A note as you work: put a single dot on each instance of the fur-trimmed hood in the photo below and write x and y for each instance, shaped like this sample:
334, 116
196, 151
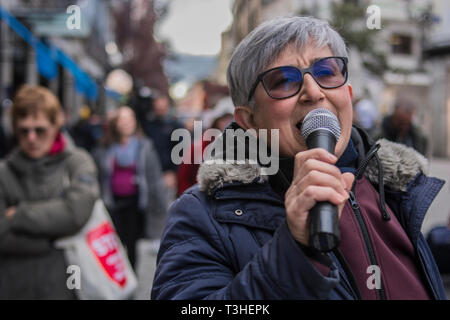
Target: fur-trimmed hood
400, 165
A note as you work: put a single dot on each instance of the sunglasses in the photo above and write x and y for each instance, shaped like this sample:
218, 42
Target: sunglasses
286, 81
40, 131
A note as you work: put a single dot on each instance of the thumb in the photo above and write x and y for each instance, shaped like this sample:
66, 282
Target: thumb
348, 179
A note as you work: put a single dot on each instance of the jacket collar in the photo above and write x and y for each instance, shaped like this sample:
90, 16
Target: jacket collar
400, 166
402, 169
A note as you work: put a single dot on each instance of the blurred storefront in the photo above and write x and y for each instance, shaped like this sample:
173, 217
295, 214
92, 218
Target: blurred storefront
58, 44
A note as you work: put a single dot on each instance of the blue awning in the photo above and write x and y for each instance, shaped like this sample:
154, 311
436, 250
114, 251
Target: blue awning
47, 59
83, 82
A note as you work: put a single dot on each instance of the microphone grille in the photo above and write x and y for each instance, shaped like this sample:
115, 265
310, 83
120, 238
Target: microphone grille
320, 119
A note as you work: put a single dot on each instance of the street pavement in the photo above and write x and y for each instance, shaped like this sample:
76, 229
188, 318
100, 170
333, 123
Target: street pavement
145, 270
438, 214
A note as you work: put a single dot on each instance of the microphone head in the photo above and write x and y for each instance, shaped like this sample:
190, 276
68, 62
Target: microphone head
320, 119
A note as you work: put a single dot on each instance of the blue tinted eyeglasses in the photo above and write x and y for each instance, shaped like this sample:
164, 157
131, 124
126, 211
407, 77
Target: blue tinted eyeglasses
286, 81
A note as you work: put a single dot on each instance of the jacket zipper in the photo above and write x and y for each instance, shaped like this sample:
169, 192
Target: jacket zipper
365, 234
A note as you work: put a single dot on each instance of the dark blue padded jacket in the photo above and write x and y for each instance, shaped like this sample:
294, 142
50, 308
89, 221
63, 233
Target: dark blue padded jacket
227, 237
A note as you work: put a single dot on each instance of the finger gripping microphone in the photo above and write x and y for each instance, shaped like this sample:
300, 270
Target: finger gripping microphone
321, 129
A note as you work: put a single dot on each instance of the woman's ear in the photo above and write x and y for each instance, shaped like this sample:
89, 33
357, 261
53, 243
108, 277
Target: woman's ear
244, 117
350, 91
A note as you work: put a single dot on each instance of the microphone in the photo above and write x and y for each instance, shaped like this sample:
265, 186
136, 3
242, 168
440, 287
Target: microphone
321, 129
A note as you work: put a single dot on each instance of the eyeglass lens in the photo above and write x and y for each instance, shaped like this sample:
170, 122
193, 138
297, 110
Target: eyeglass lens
286, 81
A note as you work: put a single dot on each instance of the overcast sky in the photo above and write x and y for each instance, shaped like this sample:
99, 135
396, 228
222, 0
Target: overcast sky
195, 26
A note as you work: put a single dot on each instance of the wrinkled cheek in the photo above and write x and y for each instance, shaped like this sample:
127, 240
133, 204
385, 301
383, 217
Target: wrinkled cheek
289, 143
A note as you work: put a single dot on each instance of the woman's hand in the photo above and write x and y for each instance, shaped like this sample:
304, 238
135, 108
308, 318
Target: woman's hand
316, 179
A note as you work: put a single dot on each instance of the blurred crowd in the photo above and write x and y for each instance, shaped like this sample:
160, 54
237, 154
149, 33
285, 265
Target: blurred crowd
398, 126
122, 158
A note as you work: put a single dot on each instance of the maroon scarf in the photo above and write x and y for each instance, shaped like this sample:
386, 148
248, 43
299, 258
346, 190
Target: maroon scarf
58, 145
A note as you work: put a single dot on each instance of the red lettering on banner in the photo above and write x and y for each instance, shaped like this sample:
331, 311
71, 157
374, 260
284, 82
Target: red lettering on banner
104, 244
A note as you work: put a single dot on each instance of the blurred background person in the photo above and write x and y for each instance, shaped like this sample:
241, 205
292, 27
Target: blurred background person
366, 115
88, 130
159, 128
131, 182
399, 127
48, 188
217, 118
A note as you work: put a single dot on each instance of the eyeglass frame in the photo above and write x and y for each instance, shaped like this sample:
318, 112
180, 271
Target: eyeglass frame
302, 73
40, 131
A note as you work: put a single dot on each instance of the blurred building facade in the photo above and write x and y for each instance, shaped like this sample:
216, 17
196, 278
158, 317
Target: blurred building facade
437, 54
414, 36
247, 14
142, 54
83, 47
112, 35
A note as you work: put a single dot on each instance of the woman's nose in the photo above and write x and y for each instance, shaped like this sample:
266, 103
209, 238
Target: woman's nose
31, 135
311, 92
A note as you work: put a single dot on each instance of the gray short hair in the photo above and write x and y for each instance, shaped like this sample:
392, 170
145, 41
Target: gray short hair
265, 43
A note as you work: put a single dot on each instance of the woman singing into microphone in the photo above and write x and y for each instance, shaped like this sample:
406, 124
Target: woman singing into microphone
242, 235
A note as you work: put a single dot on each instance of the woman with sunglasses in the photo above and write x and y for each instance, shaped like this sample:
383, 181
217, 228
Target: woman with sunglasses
242, 235
48, 188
